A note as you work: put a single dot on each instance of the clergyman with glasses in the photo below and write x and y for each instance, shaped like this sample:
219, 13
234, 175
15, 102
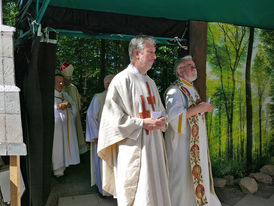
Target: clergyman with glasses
190, 177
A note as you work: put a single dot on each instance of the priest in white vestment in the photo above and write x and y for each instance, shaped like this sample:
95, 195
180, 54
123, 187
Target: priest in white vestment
94, 113
65, 150
72, 91
190, 178
130, 143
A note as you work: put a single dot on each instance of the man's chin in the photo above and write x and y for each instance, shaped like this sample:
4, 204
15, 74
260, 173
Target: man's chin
193, 78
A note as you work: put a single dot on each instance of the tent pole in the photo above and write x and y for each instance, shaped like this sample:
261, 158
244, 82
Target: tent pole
37, 8
42, 11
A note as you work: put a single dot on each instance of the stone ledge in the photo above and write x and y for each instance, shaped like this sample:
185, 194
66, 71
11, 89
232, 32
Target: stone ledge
9, 88
10, 149
4, 28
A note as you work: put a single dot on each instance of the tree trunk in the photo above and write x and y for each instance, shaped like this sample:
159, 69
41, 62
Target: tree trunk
260, 129
220, 130
249, 103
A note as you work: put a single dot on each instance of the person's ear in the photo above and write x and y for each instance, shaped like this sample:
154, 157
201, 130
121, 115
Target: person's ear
136, 53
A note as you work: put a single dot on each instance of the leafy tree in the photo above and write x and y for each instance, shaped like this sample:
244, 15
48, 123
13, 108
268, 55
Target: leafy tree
226, 51
9, 12
261, 72
267, 38
249, 101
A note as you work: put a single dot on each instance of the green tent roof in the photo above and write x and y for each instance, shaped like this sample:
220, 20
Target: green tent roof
165, 20
253, 13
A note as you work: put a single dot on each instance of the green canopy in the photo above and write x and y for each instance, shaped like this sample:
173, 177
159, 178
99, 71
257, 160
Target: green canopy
253, 13
160, 18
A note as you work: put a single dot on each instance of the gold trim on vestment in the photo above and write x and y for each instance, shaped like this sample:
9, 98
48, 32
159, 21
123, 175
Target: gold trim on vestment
180, 123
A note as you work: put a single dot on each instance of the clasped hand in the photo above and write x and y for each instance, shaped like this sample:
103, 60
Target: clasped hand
63, 105
205, 107
154, 124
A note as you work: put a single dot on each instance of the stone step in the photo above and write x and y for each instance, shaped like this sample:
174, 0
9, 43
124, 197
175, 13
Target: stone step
251, 200
84, 200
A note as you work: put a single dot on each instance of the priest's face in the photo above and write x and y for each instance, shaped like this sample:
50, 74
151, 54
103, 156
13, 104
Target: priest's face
59, 81
67, 81
146, 57
188, 71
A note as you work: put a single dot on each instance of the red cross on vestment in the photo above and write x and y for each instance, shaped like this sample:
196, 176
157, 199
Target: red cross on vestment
150, 98
145, 113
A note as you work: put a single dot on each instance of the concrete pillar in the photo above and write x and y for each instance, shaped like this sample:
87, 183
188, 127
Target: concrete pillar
11, 137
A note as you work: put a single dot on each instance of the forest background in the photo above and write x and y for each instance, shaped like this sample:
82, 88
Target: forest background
228, 83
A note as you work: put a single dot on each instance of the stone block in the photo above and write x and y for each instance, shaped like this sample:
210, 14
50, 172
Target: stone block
16, 149
2, 101
248, 185
12, 103
219, 182
2, 128
14, 128
261, 177
229, 180
268, 169
1, 71
8, 71
7, 44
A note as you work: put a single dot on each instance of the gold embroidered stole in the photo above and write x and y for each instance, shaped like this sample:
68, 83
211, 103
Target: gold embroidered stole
194, 147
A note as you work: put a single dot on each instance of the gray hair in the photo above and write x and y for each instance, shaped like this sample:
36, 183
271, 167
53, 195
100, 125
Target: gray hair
180, 61
109, 76
137, 43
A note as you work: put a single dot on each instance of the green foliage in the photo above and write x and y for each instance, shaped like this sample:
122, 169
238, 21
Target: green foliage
162, 71
85, 56
225, 58
226, 52
267, 38
10, 11
222, 167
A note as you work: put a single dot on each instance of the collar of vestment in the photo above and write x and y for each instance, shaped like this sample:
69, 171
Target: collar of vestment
186, 82
57, 94
133, 69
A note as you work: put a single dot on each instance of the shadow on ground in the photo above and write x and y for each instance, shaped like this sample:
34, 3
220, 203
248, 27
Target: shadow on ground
75, 182
75, 186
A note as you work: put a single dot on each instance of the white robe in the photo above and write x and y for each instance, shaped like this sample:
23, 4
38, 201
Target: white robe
92, 132
134, 163
72, 91
177, 146
65, 150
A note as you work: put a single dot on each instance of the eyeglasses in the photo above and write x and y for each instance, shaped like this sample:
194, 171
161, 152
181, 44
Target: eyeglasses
188, 66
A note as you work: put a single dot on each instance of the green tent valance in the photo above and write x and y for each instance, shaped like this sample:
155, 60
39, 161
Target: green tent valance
121, 19
246, 12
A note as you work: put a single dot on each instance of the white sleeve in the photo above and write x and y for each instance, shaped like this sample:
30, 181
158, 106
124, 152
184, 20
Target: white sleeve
176, 107
72, 103
92, 119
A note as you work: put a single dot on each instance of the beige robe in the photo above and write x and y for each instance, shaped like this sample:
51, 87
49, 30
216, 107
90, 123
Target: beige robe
177, 140
134, 162
76, 97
